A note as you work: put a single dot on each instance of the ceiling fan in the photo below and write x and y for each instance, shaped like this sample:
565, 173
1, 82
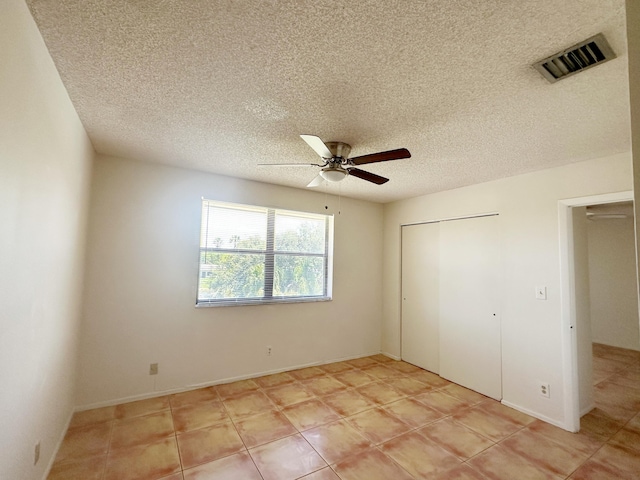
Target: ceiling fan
337, 164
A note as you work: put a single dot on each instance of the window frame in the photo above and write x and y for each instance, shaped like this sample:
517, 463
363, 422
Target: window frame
270, 253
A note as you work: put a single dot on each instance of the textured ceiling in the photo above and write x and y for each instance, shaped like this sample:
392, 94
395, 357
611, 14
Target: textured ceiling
221, 86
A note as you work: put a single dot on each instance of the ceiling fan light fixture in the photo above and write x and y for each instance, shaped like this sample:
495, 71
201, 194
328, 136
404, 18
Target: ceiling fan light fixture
333, 174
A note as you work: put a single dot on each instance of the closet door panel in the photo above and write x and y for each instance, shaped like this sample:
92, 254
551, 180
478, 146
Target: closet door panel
469, 317
420, 295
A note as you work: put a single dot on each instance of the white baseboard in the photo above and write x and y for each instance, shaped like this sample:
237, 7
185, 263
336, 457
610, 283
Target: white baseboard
57, 447
186, 388
395, 357
536, 415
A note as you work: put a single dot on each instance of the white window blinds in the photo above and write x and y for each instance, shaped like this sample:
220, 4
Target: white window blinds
251, 254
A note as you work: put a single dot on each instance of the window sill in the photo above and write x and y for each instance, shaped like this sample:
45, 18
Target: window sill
272, 301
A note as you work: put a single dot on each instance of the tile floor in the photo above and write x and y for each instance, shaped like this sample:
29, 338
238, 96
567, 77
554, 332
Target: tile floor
369, 418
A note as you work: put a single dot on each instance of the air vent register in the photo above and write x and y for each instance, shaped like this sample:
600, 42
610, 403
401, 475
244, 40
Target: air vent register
584, 55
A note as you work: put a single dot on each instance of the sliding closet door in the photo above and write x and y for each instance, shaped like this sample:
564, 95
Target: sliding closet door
420, 264
470, 346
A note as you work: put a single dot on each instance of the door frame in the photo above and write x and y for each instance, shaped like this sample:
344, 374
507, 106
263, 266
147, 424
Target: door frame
568, 300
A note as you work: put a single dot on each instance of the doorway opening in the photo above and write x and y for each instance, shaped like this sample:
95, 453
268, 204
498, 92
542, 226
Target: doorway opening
579, 220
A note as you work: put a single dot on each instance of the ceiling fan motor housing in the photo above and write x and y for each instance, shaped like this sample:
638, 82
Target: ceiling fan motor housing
339, 149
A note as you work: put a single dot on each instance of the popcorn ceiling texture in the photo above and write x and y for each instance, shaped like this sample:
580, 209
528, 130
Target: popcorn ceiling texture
221, 86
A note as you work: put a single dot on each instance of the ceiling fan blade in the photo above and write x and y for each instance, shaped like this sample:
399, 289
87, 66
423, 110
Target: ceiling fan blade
318, 145
381, 156
316, 182
290, 165
368, 176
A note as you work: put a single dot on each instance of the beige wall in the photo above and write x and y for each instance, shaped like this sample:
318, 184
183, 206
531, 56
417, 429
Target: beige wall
141, 281
45, 158
613, 283
528, 206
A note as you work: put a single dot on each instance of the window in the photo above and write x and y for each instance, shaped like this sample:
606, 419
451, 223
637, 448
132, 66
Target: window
252, 254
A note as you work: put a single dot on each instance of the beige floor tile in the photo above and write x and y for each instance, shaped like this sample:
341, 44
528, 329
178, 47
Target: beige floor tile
381, 358
431, 379
89, 441
555, 458
198, 415
619, 402
615, 353
236, 388
370, 465
442, 402
625, 460
461, 441
286, 459
403, 367
376, 412
90, 417
324, 385
592, 470
264, 428
634, 424
598, 425
141, 430
337, 441
608, 365
628, 378
412, 412
354, 378
238, 466
208, 444
174, 476
155, 460
419, 456
489, 425
337, 367
275, 380
464, 394
501, 464
599, 376
182, 399
378, 425
142, 407
576, 441
89, 468
324, 474
348, 402
462, 472
508, 413
362, 362
307, 373
310, 414
380, 393
381, 372
408, 385
289, 394
627, 438
247, 404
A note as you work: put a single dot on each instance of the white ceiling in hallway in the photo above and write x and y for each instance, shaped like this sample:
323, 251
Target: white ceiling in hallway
222, 86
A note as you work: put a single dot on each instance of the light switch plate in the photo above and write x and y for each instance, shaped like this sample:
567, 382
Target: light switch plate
541, 293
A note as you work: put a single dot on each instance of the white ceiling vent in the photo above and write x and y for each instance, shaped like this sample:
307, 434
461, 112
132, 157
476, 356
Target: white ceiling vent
584, 55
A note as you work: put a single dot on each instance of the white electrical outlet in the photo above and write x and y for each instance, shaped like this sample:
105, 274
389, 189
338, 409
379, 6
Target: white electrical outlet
545, 391
153, 369
268, 351
36, 453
